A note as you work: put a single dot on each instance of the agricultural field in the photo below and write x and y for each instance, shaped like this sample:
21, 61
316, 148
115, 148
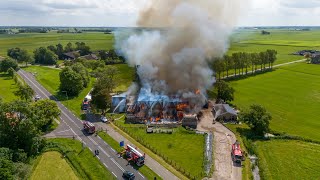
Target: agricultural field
7, 88
172, 147
31, 41
283, 159
292, 95
53, 166
284, 41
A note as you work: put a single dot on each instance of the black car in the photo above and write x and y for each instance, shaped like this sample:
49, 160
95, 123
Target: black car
128, 175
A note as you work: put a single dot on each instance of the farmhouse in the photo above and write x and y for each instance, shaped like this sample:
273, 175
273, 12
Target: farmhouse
223, 112
90, 57
70, 55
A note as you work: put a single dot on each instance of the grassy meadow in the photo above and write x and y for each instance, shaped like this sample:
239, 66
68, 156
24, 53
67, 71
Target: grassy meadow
284, 41
292, 95
282, 159
183, 148
31, 41
53, 166
7, 88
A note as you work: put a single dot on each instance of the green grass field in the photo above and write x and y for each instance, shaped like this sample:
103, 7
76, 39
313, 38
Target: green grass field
284, 41
182, 147
31, 41
281, 159
7, 87
124, 78
53, 166
291, 94
83, 162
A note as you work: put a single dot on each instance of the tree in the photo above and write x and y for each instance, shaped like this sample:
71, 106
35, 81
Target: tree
224, 91
272, 57
257, 118
71, 82
44, 56
80, 69
52, 48
103, 55
47, 111
59, 51
11, 72
101, 98
236, 59
14, 53
229, 63
8, 63
84, 50
68, 47
24, 56
24, 92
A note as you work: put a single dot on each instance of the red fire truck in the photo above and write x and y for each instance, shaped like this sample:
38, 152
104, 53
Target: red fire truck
89, 127
134, 155
236, 153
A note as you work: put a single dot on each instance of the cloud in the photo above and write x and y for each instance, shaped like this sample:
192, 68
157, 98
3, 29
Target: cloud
125, 12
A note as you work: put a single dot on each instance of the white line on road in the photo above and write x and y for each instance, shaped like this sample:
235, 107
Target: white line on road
115, 175
98, 157
63, 131
90, 149
104, 151
141, 175
105, 165
95, 143
117, 164
113, 150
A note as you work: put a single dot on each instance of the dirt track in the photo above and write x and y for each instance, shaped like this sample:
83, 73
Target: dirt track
224, 169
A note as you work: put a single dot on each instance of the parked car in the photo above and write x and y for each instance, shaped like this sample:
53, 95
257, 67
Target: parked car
128, 175
104, 119
37, 98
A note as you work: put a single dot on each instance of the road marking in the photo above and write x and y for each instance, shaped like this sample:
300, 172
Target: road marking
117, 164
113, 150
104, 151
99, 137
115, 175
90, 148
98, 157
141, 175
63, 131
95, 143
105, 165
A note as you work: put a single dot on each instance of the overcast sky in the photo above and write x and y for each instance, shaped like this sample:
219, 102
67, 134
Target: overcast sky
124, 12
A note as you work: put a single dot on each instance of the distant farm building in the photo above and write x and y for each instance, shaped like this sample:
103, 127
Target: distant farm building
70, 55
263, 32
223, 112
90, 57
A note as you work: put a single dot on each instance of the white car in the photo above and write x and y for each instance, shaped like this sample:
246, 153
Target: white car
104, 119
37, 97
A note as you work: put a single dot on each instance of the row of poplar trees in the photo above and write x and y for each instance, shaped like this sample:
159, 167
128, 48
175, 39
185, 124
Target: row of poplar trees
241, 63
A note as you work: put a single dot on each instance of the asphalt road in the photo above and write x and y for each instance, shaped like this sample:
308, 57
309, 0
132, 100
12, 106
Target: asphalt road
69, 122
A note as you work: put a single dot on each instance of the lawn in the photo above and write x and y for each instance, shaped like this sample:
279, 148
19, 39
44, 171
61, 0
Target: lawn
53, 166
31, 41
291, 94
7, 87
281, 159
145, 170
124, 78
183, 148
82, 161
49, 79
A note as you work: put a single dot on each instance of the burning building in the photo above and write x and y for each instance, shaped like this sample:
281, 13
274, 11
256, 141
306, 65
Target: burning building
174, 55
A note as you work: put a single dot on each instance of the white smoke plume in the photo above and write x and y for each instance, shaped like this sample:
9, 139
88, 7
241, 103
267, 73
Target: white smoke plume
186, 35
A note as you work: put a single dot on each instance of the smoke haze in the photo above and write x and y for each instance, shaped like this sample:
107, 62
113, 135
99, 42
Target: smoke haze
186, 35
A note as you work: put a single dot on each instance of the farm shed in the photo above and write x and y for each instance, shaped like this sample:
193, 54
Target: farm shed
223, 112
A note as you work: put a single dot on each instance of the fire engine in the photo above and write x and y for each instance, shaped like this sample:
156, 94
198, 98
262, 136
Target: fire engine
236, 153
89, 127
134, 155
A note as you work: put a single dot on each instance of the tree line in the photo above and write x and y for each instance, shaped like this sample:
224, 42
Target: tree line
241, 62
